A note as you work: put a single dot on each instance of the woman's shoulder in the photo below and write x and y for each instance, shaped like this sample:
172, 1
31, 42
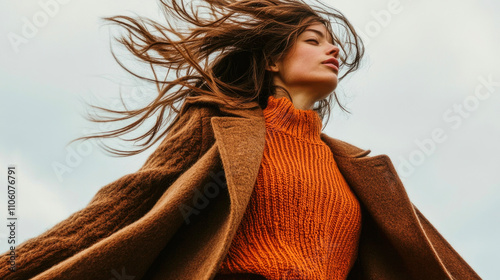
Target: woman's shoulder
205, 111
209, 106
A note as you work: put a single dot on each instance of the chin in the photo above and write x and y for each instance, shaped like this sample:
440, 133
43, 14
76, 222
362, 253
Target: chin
324, 96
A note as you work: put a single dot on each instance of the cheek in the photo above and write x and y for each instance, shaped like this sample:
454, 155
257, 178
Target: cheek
300, 64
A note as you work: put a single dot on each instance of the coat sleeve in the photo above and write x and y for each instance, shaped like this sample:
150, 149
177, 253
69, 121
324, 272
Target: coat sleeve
115, 205
452, 260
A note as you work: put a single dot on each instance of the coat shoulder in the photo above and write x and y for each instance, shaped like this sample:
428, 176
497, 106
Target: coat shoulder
183, 143
343, 148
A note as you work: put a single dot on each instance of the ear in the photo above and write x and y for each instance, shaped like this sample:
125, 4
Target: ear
272, 66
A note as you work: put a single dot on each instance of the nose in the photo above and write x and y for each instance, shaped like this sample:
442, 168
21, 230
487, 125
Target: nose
335, 51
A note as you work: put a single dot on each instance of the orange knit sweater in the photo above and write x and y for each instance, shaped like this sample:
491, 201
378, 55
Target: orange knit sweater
302, 221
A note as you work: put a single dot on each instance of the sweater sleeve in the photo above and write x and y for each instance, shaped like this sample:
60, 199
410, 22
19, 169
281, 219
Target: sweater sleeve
115, 205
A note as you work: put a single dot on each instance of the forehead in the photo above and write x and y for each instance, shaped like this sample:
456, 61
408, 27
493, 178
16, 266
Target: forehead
318, 29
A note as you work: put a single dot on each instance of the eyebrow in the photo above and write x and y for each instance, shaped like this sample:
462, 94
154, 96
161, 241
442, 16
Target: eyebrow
317, 32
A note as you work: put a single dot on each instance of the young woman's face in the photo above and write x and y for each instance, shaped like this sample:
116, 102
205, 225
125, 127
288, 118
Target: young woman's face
303, 69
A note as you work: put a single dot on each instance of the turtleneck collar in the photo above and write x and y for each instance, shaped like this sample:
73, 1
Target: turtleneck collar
282, 115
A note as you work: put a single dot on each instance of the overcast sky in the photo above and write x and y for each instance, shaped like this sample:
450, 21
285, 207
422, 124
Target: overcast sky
428, 96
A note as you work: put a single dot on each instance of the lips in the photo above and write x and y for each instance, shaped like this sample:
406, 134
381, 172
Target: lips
332, 61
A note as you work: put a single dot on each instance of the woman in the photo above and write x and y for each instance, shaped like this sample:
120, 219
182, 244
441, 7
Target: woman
245, 185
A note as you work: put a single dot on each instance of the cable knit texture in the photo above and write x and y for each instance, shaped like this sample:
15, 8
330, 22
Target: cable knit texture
302, 221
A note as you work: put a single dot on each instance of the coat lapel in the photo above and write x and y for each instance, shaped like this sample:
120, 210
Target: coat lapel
392, 237
391, 232
241, 145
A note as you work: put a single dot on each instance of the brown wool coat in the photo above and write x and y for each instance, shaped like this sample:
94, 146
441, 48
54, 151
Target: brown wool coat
176, 216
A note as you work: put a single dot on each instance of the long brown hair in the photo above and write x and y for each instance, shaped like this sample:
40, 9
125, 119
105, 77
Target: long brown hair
222, 56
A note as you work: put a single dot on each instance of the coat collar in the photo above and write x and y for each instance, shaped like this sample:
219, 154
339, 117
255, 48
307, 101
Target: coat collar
255, 113
240, 138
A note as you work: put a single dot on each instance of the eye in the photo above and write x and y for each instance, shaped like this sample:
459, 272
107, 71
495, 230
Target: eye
314, 40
